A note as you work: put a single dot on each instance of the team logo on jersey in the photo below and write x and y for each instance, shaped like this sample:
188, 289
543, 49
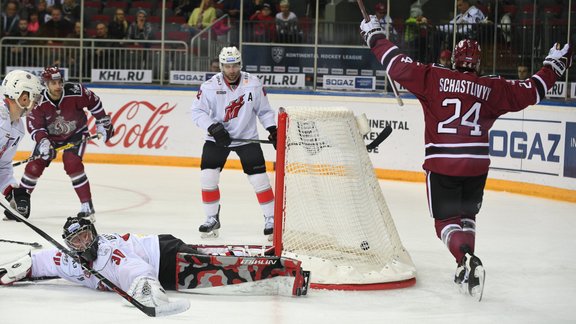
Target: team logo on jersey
277, 54
61, 126
233, 108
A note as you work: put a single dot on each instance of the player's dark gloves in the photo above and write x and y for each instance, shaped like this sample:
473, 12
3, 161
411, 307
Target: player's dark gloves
273, 137
220, 134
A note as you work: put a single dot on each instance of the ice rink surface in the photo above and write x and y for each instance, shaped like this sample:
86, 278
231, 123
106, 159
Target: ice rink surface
527, 246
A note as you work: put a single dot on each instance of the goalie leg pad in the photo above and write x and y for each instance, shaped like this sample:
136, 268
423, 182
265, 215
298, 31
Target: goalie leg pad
261, 275
15, 270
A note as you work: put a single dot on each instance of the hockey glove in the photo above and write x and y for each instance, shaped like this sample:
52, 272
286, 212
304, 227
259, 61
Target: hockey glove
559, 59
273, 137
220, 134
370, 29
105, 128
45, 149
16, 270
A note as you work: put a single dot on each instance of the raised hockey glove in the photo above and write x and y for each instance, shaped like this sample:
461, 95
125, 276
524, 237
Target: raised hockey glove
273, 137
45, 149
220, 134
559, 59
371, 30
105, 128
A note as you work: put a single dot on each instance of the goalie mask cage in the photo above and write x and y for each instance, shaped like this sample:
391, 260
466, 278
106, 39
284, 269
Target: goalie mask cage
330, 212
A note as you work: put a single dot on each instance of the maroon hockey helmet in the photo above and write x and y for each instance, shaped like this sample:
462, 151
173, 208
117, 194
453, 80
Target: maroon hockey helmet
51, 73
466, 55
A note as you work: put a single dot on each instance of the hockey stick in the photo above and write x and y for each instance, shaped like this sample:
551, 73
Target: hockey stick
249, 140
392, 84
162, 310
374, 144
35, 245
59, 148
380, 138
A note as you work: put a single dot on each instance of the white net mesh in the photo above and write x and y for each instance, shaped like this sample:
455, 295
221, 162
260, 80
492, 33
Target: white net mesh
336, 220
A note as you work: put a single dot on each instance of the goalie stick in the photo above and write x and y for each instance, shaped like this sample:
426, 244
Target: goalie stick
59, 148
35, 245
392, 84
162, 310
374, 144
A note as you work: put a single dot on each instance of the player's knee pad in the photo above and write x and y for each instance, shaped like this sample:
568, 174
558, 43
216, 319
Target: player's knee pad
209, 178
259, 181
72, 164
34, 169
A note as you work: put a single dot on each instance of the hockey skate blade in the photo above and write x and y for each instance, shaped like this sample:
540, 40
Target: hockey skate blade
212, 234
175, 306
478, 291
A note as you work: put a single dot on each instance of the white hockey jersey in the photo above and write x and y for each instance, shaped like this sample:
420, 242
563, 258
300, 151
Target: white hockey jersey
121, 259
10, 136
237, 109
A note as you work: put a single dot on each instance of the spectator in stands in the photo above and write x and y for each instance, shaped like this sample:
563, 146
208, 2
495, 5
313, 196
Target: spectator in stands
19, 55
523, 71
263, 23
446, 58
468, 15
118, 26
57, 27
385, 20
73, 54
287, 24
416, 32
44, 14
102, 59
202, 17
71, 10
33, 22
10, 19
215, 65
140, 29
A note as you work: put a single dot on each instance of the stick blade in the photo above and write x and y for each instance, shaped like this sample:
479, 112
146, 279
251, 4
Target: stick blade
175, 306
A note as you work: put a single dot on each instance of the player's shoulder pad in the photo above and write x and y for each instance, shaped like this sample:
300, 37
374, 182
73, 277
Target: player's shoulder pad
73, 89
250, 79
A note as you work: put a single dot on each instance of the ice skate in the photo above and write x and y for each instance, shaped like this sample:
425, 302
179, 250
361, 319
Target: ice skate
461, 275
210, 228
269, 227
87, 211
476, 277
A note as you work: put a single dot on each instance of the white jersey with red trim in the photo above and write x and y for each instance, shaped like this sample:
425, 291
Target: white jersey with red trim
121, 259
237, 109
10, 135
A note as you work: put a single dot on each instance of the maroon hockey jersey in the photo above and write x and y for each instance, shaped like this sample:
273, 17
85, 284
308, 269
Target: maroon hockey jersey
459, 107
60, 122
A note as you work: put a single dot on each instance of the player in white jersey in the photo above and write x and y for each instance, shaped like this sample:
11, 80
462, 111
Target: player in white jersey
21, 92
227, 107
144, 266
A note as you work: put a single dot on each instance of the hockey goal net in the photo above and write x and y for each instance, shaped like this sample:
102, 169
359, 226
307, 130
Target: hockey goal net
330, 210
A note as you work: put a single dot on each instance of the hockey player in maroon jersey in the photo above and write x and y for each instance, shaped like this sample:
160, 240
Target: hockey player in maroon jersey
460, 107
58, 120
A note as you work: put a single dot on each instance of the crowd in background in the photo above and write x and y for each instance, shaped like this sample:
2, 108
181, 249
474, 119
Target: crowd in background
521, 29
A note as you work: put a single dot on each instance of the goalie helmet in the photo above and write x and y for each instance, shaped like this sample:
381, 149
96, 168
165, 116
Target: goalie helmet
51, 73
17, 82
80, 235
466, 55
230, 55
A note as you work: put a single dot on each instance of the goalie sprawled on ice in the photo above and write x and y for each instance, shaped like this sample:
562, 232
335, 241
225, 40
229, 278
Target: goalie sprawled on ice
146, 266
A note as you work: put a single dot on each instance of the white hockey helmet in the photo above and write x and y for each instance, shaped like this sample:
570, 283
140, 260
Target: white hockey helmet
17, 82
230, 55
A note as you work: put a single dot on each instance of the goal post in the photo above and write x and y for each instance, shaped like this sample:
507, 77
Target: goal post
330, 212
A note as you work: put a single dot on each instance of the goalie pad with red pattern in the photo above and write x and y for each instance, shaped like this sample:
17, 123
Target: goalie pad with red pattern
240, 275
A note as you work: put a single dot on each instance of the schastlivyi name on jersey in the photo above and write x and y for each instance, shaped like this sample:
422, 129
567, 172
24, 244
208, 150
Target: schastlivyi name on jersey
464, 86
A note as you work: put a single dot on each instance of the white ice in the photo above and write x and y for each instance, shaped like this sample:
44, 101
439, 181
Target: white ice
527, 245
